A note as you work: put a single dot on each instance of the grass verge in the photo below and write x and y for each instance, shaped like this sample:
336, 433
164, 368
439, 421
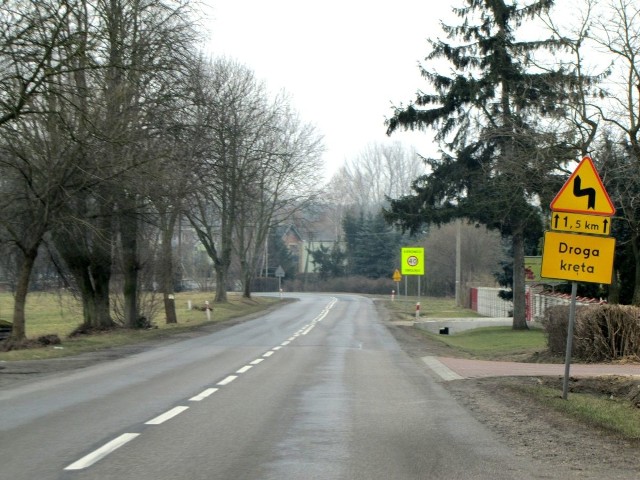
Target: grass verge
404, 308
495, 343
614, 415
60, 314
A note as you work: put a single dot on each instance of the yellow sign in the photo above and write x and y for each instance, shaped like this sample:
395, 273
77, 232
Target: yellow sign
578, 223
583, 192
396, 276
580, 258
412, 261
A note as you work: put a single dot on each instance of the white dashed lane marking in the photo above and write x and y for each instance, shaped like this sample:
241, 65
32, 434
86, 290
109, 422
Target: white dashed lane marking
125, 438
102, 452
227, 380
204, 394
160, 419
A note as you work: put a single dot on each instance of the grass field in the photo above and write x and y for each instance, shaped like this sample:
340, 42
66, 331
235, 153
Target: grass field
61, 314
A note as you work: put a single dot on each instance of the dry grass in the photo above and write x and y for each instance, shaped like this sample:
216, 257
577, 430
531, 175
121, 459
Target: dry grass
60, 314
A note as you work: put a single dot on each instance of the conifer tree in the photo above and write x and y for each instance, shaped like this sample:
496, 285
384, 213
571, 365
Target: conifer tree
496, 159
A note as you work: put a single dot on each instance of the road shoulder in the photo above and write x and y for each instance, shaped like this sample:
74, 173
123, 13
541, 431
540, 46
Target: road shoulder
541, 434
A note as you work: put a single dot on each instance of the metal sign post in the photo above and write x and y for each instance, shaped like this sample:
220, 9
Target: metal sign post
279, 273
567, 357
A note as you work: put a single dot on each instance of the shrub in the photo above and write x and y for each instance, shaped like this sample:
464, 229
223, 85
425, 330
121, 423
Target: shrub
555, 323
601, 333
353, 284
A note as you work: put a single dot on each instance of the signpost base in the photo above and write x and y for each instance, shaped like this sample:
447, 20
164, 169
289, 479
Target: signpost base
567, 358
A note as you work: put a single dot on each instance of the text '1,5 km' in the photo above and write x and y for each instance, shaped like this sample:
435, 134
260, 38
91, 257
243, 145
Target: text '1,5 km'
578, 223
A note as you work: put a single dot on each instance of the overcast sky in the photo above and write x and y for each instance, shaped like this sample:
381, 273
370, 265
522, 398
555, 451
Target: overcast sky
344, 62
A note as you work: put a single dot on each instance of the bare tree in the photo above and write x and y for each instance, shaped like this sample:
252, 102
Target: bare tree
37, 43
237, 111
285, 181
481, 253
180, 148
580, 124
378, 172
618, 33
40, 46
82, 83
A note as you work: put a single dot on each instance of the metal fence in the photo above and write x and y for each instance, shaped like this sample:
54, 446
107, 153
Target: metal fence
486, 302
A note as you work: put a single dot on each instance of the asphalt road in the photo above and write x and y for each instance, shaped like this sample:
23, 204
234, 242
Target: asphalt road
318, 389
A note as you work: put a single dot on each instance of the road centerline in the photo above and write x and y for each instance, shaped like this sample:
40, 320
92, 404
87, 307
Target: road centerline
102, 452
227, 380
204, 394
168, 415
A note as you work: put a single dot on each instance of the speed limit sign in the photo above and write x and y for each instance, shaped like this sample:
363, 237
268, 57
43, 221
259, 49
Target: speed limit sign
412, 261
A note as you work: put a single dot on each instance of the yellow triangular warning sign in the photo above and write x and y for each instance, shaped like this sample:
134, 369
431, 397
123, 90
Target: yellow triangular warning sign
583, 192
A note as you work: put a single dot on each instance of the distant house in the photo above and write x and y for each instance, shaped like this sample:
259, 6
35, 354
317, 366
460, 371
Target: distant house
299, 248
292, 239
306, 260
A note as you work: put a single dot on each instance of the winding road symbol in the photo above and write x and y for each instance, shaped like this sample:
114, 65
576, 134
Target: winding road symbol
590, 192
584, 182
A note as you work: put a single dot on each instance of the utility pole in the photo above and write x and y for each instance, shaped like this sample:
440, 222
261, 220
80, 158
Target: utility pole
458, 265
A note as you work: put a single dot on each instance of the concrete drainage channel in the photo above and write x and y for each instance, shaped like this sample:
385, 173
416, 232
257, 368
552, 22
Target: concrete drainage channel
447, 326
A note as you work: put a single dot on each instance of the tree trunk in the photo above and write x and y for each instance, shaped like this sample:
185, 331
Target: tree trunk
246, 281
166, 267
614, 288
636, 257
90, 267
18, 332
221, 283
94, 291
101, 275
519, 301
130, 264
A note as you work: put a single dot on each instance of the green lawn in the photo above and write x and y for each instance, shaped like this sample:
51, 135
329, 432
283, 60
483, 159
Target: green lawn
60, 314
496, 342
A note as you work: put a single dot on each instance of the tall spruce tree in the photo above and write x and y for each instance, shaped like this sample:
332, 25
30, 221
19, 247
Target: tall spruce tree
497, 161
372, 247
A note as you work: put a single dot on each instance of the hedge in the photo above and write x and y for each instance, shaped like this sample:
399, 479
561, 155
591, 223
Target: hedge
601, 332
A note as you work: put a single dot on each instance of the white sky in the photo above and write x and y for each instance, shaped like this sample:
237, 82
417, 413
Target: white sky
344, 63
